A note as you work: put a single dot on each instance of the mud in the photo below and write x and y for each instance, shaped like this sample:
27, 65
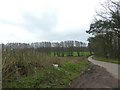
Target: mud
95, 77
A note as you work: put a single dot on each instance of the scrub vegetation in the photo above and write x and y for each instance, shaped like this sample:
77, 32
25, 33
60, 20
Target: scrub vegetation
33, 67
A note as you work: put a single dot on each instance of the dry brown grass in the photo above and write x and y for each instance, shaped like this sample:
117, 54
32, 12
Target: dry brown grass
18, 63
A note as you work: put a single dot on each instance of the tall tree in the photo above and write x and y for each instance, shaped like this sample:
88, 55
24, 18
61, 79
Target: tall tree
106, 30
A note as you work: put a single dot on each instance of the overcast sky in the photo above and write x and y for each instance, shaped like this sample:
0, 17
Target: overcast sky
45, 20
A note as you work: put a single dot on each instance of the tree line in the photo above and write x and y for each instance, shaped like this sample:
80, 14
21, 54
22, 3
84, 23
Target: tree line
63, 48
106, 31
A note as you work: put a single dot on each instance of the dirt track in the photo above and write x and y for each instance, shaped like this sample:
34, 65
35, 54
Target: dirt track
95, 77
110, 67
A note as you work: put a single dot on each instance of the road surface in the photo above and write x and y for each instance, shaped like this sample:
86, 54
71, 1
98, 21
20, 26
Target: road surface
110, 67
98, 75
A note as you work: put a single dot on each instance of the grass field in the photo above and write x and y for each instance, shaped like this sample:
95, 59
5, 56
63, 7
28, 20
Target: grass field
107, 60
32, 69
83, 53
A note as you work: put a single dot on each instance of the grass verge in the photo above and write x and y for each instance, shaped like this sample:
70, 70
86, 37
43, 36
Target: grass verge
106, 60
50, 77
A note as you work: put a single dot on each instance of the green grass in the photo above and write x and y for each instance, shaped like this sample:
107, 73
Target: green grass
29, 68
107, 60
51, 77
83, 53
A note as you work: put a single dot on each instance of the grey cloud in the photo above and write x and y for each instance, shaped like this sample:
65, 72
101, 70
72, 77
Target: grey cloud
78, 35
47, 21
47, 24
4, 21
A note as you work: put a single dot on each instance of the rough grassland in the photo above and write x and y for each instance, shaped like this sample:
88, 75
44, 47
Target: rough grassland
47, 77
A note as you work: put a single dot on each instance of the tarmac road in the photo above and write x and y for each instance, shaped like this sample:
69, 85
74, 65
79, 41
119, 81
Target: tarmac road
98, 75
110, 67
